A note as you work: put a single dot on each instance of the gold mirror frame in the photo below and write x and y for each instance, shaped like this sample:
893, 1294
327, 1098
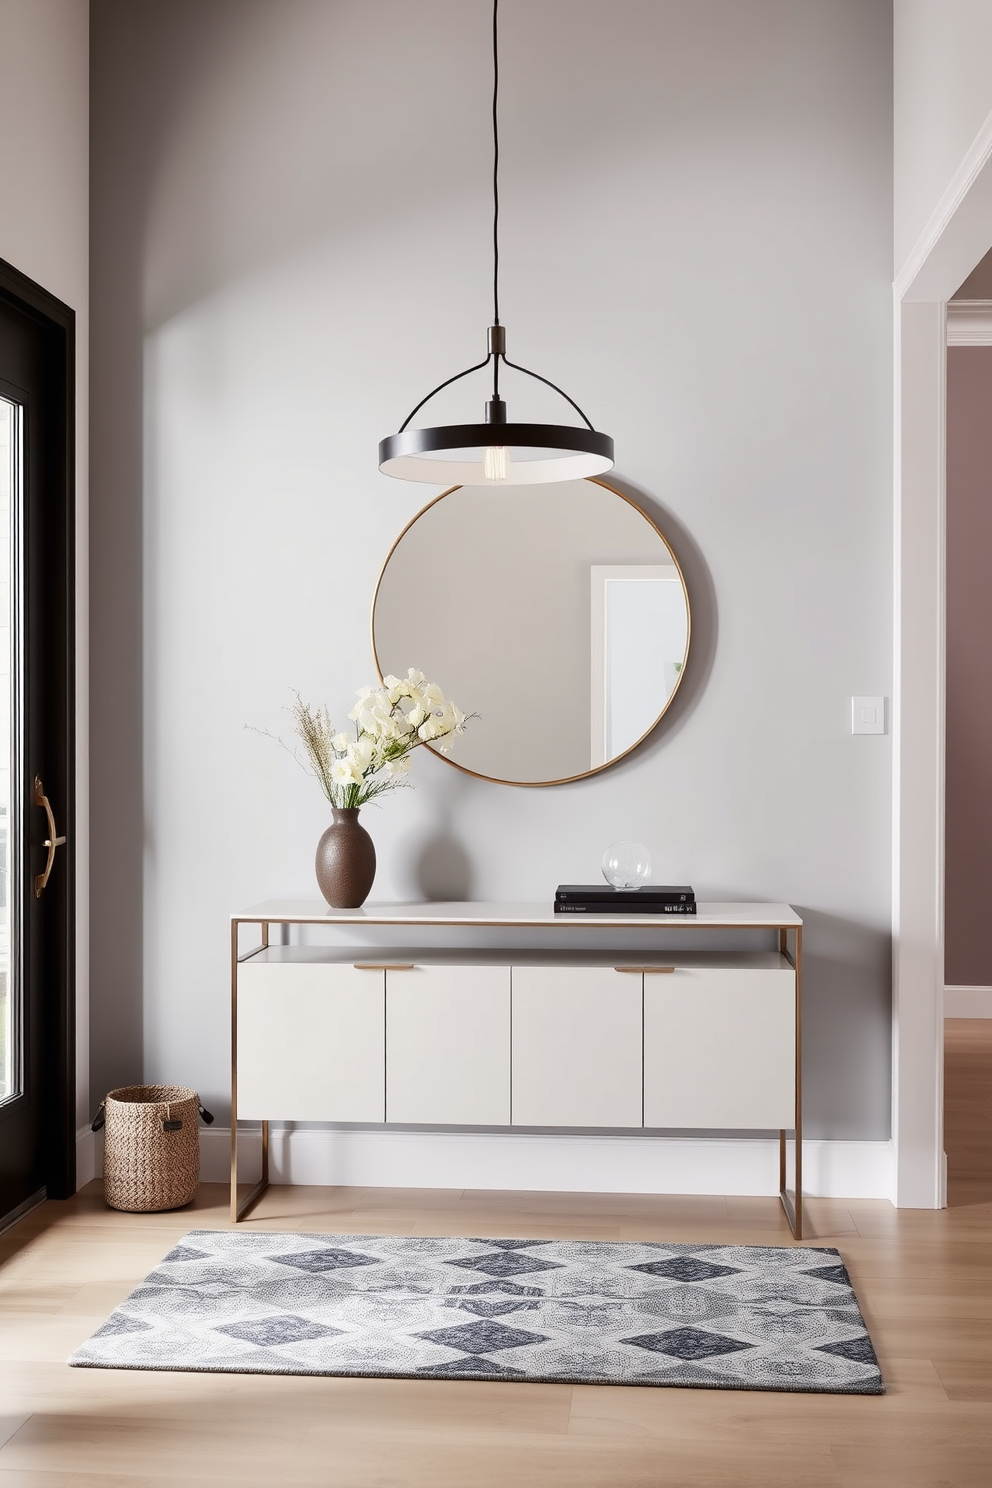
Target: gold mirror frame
595, 769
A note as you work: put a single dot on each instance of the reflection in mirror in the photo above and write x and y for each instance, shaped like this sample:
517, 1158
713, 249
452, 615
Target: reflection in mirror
556, 613
639, 630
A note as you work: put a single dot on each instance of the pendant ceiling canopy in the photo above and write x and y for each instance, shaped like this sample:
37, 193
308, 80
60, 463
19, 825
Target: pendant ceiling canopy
496, 451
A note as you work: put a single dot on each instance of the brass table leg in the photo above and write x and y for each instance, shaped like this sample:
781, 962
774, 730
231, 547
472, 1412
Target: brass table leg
792, 1203
240, 1209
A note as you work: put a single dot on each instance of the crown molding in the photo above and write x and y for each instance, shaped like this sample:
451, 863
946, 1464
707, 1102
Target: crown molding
969, 322
968, 198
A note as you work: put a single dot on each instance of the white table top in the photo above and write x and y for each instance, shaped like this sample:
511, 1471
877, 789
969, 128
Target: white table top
708, 915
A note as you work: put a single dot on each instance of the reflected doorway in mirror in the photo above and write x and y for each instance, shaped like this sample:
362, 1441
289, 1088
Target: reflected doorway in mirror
638, 644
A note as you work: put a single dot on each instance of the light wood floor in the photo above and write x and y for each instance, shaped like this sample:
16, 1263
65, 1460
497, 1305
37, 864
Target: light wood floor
924, 1281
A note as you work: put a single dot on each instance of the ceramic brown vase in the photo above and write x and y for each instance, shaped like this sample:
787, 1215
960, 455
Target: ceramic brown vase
345, 861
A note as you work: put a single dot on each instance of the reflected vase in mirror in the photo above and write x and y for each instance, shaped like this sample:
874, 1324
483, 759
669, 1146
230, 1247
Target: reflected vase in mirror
345, 860
564, 627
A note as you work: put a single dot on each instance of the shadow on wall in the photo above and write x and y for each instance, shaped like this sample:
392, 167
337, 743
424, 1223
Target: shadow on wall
438, 868
443, 868
847, 1028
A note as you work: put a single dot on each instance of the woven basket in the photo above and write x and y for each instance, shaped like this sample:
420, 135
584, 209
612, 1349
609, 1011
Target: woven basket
151, 1154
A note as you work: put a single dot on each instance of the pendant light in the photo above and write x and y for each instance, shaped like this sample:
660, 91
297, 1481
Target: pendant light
496, 452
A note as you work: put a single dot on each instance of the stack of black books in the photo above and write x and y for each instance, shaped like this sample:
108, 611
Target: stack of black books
650, 899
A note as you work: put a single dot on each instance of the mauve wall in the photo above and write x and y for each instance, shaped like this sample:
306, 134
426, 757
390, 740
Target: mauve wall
968, 948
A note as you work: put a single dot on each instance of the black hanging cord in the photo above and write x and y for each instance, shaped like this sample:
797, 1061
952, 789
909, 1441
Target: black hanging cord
490, 358
500, 354
495, 189
496, 357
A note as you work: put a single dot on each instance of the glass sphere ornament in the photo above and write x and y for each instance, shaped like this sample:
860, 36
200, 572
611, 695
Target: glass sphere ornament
627, 865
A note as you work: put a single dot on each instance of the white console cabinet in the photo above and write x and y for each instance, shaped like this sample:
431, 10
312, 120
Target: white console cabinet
448, 1045
310, 1041
593, 1039
719, 1046
577, 1053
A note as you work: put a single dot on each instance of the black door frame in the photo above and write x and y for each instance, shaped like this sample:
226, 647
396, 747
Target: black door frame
58, 768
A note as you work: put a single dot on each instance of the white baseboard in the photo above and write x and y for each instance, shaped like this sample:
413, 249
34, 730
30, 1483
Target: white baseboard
551, 1163
968, 1002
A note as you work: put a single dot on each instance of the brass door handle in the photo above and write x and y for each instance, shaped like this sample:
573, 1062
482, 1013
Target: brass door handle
384, 966
51, 841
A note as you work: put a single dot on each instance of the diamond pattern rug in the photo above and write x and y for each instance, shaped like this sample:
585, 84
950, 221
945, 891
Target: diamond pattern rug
725, 1317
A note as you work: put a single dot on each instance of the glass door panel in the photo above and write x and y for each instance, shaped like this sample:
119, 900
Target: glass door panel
10, 989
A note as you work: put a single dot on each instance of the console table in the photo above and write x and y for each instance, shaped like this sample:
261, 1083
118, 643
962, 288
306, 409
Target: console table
582, 1038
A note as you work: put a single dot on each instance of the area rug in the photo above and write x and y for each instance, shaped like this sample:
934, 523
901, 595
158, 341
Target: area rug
725, 1317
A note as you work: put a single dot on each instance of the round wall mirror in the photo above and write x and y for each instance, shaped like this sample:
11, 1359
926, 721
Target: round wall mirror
557, 614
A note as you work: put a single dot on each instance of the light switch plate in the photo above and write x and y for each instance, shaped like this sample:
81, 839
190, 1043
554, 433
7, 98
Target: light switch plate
867, 715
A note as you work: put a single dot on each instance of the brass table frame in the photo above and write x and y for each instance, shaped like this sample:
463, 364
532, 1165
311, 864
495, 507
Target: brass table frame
239, 1208
791, 1196
792, 1200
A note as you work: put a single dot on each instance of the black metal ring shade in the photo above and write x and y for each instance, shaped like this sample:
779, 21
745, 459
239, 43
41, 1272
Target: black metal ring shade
567, 453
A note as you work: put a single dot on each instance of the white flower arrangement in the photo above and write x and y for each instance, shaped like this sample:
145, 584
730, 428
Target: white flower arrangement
390, 721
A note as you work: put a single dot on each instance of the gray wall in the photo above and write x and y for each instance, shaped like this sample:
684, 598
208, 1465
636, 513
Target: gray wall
289, 248
943, 94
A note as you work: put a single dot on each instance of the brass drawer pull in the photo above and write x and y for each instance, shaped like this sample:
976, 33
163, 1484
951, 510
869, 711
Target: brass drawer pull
646, 970
384, 966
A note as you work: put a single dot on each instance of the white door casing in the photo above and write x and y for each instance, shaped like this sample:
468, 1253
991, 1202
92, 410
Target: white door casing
955, 239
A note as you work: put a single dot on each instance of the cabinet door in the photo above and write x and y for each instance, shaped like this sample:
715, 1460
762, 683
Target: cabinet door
448, 1045
311, 1042
720, 1048
576, 1046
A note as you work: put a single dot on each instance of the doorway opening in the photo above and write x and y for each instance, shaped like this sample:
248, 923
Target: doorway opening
968, 746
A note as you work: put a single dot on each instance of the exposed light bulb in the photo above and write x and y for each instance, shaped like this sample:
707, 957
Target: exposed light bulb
496, 463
